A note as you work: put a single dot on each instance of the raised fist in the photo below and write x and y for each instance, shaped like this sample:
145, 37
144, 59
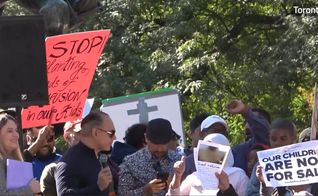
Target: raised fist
236, 107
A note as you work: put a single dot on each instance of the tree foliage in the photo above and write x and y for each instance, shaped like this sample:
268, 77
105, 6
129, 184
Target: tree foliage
211, 51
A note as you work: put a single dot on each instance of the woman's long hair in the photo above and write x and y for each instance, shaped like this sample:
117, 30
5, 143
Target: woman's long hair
16, 153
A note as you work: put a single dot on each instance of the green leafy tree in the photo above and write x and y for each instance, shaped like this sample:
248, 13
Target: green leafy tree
211, 51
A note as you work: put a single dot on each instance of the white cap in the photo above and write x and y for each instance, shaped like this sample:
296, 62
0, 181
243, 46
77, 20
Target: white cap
211, 120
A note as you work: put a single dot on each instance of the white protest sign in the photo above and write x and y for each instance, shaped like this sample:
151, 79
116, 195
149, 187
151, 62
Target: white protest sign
88, 107
195, 155
140, 108
290, 165
210, 158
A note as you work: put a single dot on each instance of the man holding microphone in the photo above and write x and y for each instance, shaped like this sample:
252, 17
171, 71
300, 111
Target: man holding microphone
80, 172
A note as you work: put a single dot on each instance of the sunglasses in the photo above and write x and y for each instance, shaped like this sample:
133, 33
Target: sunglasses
33, 139
110, 133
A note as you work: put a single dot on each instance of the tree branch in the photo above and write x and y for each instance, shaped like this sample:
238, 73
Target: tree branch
226, 42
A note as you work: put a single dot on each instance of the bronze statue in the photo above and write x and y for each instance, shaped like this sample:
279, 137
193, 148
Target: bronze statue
60, 16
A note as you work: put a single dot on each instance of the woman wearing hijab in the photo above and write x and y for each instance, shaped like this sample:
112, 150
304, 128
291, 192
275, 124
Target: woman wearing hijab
232, 180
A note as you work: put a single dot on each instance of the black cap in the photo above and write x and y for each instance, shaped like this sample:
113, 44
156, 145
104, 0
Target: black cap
159, 131
175, 136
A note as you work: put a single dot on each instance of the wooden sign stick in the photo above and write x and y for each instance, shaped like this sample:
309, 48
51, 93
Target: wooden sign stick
314, 116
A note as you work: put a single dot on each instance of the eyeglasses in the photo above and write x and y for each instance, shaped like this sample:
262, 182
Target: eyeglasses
157, 167
110, 133
33, 139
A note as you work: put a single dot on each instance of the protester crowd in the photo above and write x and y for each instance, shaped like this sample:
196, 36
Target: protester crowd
150, 160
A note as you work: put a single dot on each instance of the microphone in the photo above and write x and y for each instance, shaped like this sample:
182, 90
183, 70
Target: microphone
103, 161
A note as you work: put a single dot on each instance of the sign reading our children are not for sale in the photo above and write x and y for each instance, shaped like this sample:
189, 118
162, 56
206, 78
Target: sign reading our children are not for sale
290, 165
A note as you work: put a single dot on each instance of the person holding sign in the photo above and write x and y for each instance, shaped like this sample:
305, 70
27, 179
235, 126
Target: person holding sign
9, 149
232, 180
282, 133
291, 190
215, 124
252, 159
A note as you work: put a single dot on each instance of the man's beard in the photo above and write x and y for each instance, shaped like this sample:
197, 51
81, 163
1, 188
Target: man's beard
159, 155
50, 155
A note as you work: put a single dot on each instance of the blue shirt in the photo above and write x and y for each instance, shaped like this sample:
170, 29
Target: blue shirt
120, 151
260, 128
39, 165
254, 185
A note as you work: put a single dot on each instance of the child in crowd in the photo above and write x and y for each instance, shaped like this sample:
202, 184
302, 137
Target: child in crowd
282, 133
252, 157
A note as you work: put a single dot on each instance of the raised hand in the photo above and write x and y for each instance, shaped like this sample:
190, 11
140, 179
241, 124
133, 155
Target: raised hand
224, 183
179, 167
45, 134
259, 174
236, 107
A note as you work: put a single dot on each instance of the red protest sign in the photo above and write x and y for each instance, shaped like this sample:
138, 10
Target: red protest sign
71, 64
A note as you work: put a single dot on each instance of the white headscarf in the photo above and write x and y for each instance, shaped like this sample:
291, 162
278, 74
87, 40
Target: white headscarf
222, 140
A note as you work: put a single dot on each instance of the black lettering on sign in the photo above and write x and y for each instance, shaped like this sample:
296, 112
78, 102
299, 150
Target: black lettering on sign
77, 69
69, 62
272, 158
69, 110
54, 83
313, 161
288, 164
78, 46
311, 152
269, 167
46, 114
310, 172
278, 176
304, 162
69, 96
278, 165
300, 173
